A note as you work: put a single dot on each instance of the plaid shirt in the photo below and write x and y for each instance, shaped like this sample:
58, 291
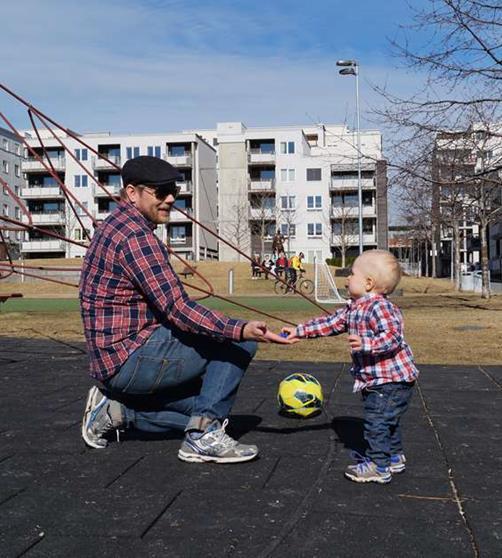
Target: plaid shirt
385, 356
128, 289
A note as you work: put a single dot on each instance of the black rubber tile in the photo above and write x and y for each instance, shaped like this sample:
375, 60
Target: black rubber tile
485, 520
344, 534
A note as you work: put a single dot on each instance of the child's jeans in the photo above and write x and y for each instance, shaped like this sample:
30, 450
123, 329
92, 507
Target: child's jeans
384, 405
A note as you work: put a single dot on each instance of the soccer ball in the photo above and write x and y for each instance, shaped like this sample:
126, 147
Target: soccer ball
300, 395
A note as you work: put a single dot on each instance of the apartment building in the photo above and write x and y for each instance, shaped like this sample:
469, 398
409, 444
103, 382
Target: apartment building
467, 185
51, 209
303, 181
10, 172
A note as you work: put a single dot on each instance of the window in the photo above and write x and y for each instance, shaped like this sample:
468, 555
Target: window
314, 175
314, 229
314, 202
77, 234
5, 145
132, 152
153, 150
83, 181
76, 181
291, 232
5, 167
17, 171
287, 147
81, 154
80, 181
5, 209
288, 202
287, 175
80, 211
17, 212
177, 151
178, 233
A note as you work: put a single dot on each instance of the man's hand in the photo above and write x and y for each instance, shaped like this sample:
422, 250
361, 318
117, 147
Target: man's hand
258, 331
355, 342
289, 334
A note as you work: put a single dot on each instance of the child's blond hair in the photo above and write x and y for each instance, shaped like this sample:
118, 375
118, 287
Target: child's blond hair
383, 268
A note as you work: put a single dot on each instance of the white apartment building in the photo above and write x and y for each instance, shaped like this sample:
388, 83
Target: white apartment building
51, 211
303, 181
10, 172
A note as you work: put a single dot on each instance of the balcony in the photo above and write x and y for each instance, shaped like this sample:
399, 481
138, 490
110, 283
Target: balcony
43, 246
179, 160
257, 185
55, 218
258, 157
41, 192
98, 192
176, 217
351, 183
112, 162
338, 212
185, 186
180, 242
34, 165
262, 213
353, 239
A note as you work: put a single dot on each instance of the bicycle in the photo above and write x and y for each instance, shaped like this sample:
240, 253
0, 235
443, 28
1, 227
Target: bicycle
305, 286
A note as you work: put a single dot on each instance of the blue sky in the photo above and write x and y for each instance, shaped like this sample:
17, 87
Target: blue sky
166, 65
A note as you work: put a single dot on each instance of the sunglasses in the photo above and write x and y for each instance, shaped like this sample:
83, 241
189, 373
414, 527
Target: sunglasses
161, 192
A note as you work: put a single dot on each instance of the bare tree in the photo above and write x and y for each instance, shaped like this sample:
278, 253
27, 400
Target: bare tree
234, 226
263, 215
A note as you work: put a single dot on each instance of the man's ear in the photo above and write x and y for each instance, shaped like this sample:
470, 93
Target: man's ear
131, 193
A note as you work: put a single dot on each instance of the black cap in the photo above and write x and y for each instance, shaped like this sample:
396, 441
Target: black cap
150, 171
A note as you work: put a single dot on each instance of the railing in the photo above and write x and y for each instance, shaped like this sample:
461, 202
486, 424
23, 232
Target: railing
41, 192
32, 164
352, 239
185, 186
261, 185
109, 164
181, 242
340, 212
43, 246
176, 216
261, 213
258, 156
351, 183
179, 160
98, 192
47, 218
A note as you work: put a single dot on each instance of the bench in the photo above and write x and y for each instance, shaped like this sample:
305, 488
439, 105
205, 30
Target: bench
187, 272
5, 297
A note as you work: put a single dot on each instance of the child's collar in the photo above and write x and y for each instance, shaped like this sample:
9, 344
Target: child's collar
366, 298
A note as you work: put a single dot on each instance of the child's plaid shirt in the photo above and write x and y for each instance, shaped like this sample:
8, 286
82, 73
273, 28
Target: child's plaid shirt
385, 356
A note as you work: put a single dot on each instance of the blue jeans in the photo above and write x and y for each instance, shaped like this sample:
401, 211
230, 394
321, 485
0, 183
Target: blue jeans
384, 406
175, 376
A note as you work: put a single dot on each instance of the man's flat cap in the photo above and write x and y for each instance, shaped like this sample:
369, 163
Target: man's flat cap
150, 171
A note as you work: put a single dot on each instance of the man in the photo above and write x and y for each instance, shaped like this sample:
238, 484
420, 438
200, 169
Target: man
164, 361
295, 266
278, 243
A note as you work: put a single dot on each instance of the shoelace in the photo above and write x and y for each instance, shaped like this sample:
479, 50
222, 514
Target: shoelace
222, 437
356, 456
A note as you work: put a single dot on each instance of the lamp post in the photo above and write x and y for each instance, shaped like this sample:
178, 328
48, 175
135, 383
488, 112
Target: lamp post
351, 68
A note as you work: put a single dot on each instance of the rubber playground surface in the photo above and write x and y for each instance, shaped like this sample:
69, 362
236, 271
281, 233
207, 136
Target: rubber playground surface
59, 498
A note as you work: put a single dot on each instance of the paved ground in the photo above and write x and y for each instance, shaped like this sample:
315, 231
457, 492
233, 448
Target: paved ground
58, 498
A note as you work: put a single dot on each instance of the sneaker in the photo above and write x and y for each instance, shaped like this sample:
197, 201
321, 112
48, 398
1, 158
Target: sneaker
101, 415
215, 445
368, 471
397, 463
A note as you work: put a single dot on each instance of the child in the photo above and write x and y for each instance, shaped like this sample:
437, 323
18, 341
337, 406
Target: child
382, 363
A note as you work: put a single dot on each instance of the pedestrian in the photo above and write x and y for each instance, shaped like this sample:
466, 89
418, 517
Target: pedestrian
278, 243
383, 366
162, 361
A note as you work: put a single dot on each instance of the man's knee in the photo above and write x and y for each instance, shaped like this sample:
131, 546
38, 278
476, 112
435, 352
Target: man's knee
250, 347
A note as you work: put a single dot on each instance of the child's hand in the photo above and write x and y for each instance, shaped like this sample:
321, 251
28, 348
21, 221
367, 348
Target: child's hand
355, 342
289, 333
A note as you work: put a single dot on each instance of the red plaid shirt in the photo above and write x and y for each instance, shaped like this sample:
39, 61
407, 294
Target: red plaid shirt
128, 289
385, 356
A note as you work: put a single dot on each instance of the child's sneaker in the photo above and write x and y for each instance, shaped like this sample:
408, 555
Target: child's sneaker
368, 471
397, 463
215, 445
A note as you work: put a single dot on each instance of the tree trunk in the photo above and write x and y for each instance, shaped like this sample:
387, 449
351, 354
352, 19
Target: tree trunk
426, 258
485, 275
456, 247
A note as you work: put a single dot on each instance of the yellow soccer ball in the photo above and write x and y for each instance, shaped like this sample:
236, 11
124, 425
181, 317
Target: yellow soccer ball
300, 395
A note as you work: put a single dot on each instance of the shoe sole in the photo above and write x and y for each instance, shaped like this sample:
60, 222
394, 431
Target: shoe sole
399, 469
195, 458
374, 479
88, 406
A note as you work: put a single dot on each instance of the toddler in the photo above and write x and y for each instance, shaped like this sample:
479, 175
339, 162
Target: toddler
383, 367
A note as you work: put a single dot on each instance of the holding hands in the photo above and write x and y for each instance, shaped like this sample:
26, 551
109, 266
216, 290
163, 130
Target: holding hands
258, 331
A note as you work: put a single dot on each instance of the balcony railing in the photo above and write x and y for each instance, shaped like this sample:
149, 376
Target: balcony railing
32, 192
48, 218
34, 165
181, 242
352, 239
257, 185
98, 192
43, 246
351, 183
340, 212
179, 160
175, 216
261, 157
112, 162
260, 213
185, 186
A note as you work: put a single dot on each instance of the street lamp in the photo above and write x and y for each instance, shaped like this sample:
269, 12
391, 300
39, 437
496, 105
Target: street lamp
351, 68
